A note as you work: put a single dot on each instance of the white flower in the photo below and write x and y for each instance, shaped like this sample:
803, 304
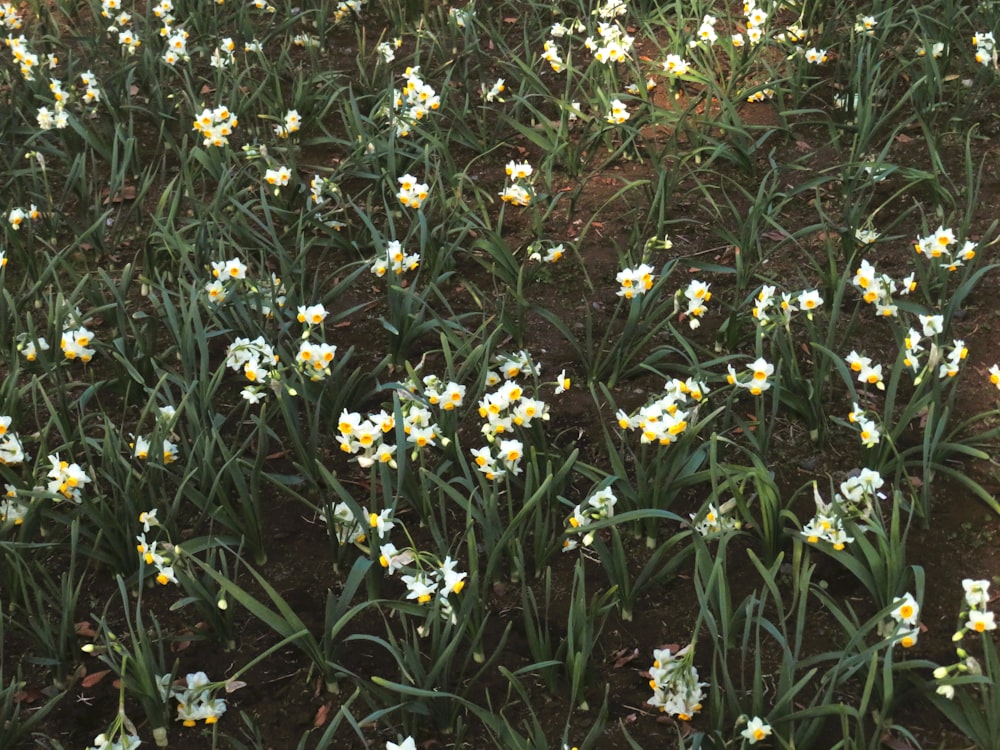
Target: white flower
618, 113
981, 621
905, 610
756, 730
815, 56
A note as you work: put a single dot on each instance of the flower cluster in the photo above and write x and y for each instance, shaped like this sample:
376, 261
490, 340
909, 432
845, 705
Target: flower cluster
125, 742
977, 597
277, 177
229, 275
697, 296
756, 17
674, 680
952, 361
905, 627
552, 254
11, 450
196, 700
618, 113
307, 41
815, 56
868, 429
12, 511
9, 18
348, 9
412, 194
664, 419
141, 446
633, 281
867, 372
66, 479
216, 125
22, 54
425, 583
30, 347
395, 260
56, 117
944, 247
222, 55
17, 216
978, 619
290, 123
865, 25
363, 437
756, 381
446, 395
986, 48
127, 38
518, 192
854, 501
461, 17
386, 51
504, 411
878, 288
597, 507
176, 46
413, 103
257, 360
493, 92
314, 357
427, 576
160, 553
770, 308
613, 42
343, 524
936, 49
716, 519
827, 525
91, 93
74, 343
706, 31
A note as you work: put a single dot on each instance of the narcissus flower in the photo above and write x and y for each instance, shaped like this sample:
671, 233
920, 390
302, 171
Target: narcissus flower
635, 281
518, 170
618, 114
905, 610
411, 193
756, 730
981, 621
976, 592
515, 195
762, 370
815, 56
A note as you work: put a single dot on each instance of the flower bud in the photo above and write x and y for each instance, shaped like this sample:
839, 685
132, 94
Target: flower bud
940, 673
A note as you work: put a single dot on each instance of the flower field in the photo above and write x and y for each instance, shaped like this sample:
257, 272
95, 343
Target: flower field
411, 374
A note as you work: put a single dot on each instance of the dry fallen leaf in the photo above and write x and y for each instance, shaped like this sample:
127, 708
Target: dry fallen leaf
623, 656
321, 715
94, 677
